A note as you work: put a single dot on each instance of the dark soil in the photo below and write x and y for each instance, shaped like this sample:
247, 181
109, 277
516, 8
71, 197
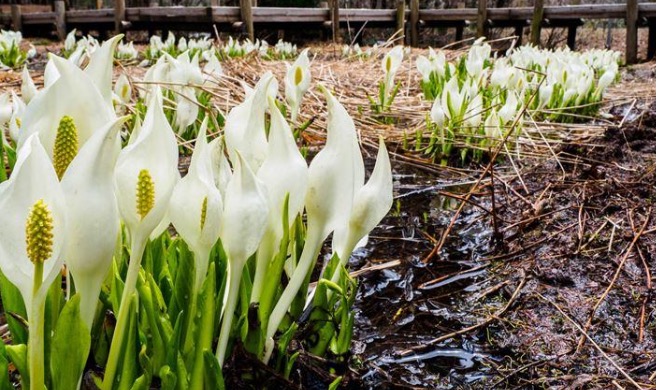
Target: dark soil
573, 230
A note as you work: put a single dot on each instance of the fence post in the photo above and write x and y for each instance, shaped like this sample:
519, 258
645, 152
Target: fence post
415, 22
631, 35
651, 39
401, 17
16, 17
334, 6
60, 19
482, 16
247, 17
119, 15
537, 19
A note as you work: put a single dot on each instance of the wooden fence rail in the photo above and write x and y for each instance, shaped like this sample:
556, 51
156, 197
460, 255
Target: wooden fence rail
240, 18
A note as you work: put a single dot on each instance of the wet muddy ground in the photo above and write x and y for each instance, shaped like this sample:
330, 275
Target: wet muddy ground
548, 284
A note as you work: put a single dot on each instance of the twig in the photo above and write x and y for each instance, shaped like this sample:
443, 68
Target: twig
490, 319
626, 255
579, 328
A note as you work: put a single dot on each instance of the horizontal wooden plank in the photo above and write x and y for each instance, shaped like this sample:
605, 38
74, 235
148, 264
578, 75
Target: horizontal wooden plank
289, 15
35, 18
90, 16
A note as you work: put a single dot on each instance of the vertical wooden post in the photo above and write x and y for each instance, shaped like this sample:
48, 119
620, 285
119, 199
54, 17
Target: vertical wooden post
334, 6
119, 15
572, 35
60, 19
401, 17
215, 3
631, 41
518, 32
651, 39
537, 19
458, 35
415, 22
247, 17
482, 16
153, 3
16, 17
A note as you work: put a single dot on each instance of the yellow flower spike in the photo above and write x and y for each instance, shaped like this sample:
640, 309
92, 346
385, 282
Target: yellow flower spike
39, 233
66, 145
204, 211
298, 75
145, 193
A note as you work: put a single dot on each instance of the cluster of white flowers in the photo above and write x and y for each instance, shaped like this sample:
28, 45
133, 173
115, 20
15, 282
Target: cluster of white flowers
355, 51
11, 55
478, 96
246, 189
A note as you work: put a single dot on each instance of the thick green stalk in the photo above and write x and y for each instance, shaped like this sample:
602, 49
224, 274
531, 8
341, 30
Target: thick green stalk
136, 253
309, 254
229, 312
263, 258
35, 342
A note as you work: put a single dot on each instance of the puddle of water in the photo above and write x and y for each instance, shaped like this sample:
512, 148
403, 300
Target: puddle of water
416, 302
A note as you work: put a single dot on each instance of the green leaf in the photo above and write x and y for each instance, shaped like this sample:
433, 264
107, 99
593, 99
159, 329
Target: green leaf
214, 378
167, 378
4, 368
335, 384
70, 346
205, 327
128, 370
12, 302
18, 355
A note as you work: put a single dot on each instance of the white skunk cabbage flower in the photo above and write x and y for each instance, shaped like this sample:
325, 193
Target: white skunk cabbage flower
28, 89
473, 114
33, 207
508, 111
452, 99
212, 69
93, 216
32, 235
245, 126
297, 82
437, 113
242, 227
66, 114
147, 171
334, 176
122, 90
145, 175
284, 173
17, 112
5, 108
390, 64
196, 206
101, 65
371, 203
221, 171
69, 42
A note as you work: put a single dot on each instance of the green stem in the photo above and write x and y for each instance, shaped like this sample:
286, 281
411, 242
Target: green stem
263, 258
35, 342
229, 312
200, 258
310, 252
136, 253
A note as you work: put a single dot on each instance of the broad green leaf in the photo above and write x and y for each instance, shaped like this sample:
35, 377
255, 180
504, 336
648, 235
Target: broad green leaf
70, 347
17, 354
12, 302
214, 378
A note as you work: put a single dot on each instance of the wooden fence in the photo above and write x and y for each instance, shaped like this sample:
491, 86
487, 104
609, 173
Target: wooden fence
411, 19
